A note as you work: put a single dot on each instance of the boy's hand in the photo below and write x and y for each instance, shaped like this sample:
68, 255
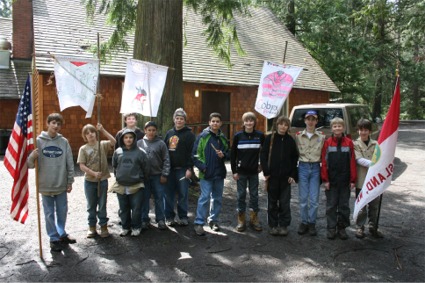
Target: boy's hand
188, 174
219, 153
163, 179
34, 154
69, 188
327, 186
236, 176
352, 186
291, 180
99, 127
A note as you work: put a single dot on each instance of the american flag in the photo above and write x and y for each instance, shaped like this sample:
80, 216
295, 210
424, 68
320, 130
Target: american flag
15, 160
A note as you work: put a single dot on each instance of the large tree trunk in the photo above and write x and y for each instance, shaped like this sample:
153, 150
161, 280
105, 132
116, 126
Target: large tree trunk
159, 39
290, 17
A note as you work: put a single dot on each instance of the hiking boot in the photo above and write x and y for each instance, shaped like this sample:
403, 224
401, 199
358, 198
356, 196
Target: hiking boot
171, 223
273, 231
161, 225
104, 233
342, 234
254, 222
184, 222
312, 229
360, 233
136, 232
124, 232
331, 234
91, 233
283, 231
56, 246
199, 230
241, 222
67, 240
302, 229
214, 226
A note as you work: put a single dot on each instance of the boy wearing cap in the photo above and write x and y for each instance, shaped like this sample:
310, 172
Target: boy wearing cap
244, 160
159, 170
209, 153
309, 143
179, 141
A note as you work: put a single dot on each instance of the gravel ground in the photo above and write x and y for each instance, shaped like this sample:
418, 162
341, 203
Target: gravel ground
177, 254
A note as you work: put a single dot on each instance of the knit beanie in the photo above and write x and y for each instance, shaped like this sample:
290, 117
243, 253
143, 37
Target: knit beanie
151, 124
179, 112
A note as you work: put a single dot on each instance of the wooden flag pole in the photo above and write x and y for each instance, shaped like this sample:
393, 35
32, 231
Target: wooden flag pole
98, 114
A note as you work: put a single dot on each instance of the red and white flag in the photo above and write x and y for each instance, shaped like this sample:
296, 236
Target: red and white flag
76, 82
275, 85
15, 160
380, 173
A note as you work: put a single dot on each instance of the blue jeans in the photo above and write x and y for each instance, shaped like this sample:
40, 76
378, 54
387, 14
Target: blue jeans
55, 212
210, 190
181, 188
93, 200
308, 189
130, 210
158, 190
252, 182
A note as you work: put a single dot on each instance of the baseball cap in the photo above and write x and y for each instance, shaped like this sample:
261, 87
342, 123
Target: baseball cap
311, 113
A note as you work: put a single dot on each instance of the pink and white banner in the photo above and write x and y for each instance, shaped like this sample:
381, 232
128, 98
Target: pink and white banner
143, 87
379, 175
275, 85
76, 82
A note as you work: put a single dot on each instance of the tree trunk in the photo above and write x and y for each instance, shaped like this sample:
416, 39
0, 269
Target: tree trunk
159, 39
290, 17
415, 106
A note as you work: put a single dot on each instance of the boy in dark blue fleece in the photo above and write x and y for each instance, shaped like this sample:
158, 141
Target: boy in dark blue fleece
209, 153
131, 170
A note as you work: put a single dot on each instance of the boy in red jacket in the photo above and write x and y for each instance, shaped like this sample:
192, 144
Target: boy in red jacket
339, 176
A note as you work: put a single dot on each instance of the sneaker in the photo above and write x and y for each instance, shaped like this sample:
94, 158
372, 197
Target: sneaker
56, 246
360, 233
273, 231
136, 232
161, 225
124, 232
67, 240
312, 229
331, 234
283, 231
214, 226
184, 222
145, 225
302, 229
171, 223
342, 234
199, 230
91, 232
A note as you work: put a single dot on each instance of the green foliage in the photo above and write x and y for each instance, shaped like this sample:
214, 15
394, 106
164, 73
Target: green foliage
6, 8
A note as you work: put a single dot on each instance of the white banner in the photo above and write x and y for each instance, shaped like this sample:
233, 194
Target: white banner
76, 82
275, 85
143, 87
380, 173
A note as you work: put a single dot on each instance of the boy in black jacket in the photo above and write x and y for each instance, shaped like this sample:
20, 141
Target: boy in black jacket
279, 158
244, 160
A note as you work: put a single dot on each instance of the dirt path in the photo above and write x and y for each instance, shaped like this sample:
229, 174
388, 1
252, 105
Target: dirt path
179, 255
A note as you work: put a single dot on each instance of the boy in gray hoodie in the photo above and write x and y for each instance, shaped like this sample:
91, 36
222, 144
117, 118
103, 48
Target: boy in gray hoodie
131, 171
55, 178
159, 162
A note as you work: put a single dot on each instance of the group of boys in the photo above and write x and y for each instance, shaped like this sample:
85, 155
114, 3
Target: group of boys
309, 159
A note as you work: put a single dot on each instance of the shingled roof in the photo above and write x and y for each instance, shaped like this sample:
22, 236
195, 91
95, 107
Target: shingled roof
12, 80
60, 27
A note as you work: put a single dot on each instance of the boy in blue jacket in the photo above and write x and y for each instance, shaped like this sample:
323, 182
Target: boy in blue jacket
209, 153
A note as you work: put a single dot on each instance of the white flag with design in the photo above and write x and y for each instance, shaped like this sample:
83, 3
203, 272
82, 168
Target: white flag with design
380, 173
143, 87
275, 85
76, 82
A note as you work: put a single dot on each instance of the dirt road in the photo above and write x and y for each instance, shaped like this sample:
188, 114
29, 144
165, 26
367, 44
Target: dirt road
179, 255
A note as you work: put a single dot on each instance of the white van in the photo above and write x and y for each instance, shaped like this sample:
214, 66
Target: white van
350, 113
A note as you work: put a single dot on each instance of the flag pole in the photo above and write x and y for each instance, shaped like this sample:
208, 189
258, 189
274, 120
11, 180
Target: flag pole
98, 112
380, 197
34, 136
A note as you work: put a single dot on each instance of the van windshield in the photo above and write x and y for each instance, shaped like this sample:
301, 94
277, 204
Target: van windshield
325, 116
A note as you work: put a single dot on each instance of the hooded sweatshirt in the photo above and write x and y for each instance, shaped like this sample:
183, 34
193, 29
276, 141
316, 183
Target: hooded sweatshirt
55, 164
180, 145
131, 165
157, 155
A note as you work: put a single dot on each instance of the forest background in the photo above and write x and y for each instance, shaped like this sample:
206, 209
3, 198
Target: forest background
358, 43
